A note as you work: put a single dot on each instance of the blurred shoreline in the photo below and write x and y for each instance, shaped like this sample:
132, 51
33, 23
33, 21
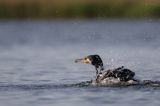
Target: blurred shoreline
78, 9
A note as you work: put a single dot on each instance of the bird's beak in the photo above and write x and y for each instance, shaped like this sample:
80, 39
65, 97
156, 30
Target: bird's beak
78, 60
83, 60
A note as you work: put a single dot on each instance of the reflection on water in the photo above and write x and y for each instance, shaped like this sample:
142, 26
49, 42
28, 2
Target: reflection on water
40, 55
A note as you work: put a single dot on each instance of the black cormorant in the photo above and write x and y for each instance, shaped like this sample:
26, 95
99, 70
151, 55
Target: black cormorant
121, 74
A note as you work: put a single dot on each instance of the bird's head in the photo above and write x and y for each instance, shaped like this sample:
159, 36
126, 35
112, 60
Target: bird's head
94, 60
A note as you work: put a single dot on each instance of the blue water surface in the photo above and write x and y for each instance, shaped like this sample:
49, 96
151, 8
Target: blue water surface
37, 61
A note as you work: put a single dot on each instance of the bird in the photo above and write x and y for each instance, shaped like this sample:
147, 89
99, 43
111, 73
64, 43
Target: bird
119, 74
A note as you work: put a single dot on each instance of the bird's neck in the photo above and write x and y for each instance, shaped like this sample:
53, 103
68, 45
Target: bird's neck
99, 69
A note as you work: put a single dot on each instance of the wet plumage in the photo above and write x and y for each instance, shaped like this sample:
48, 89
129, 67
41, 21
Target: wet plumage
116, 75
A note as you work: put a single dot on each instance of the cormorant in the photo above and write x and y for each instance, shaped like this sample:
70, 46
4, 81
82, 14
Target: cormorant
121, 74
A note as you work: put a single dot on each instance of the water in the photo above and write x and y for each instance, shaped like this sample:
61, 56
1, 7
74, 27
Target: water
37, 61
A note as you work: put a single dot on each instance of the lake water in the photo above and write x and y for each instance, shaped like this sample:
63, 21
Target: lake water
37, 61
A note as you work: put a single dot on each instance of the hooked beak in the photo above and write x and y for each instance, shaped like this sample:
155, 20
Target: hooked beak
84, 60
78, 60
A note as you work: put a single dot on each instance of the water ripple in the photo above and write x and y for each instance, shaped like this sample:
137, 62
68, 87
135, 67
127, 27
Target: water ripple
143, 84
